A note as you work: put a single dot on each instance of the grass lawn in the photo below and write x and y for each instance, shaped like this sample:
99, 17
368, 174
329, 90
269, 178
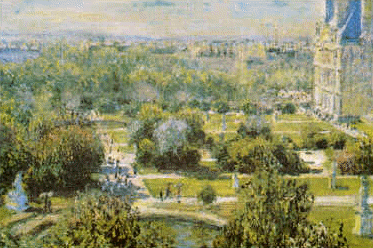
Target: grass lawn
107, 125
5, 213
215, 127
224, 210
191, 187
286, 127
119, 136
295, 117
320, 186
125, 149
115, 117
366, 128
333, 216
223, 187
228, 136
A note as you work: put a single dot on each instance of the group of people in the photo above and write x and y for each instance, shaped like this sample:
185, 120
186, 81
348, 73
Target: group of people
168, 192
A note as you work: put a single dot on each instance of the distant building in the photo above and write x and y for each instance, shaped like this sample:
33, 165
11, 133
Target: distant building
343, 83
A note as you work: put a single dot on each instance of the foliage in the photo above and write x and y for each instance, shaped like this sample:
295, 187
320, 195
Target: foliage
364, 157
63, 159
14, 156
274, 214
249, 108
107, 221
148, 116
194, 120
222, 107
171, 136
289, 108
246, 155
207, 195
255, 127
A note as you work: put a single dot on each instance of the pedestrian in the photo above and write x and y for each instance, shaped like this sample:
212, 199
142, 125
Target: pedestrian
49, 206
161, 195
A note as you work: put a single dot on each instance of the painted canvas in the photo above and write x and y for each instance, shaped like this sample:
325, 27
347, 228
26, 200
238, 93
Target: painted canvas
194, 123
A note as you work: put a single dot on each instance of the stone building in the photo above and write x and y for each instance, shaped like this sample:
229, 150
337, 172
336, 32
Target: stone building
343, 83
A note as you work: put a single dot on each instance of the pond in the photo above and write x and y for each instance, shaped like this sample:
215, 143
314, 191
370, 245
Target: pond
190, 234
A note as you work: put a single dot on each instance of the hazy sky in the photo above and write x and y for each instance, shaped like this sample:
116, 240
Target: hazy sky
160, 18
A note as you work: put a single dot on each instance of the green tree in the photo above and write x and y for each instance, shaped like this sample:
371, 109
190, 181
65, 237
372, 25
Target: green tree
107, 221
223, 109
64, 159
207, 195
274, 213
249, 108
206, 106
14, 156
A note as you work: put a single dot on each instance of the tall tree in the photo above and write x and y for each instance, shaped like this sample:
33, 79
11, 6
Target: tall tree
274, 213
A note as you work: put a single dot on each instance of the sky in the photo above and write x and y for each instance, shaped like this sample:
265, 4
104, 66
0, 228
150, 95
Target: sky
161, 18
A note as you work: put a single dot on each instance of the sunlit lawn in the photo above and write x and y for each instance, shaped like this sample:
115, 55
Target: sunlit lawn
333, 216
295, 117
191, 187
286, 127
223, 187
365, 127
228, 136
119, 136
5, 213
224, 210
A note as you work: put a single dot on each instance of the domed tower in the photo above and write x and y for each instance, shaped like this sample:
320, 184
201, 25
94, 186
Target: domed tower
343, 86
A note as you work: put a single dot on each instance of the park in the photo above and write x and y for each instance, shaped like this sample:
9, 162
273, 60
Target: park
108, 141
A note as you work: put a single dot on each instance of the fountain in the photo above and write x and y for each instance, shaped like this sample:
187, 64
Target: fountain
17, 198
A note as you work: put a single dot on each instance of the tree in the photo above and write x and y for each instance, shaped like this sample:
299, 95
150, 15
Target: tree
249, 108
14, 156
173, 150
206, 106
363, 161
274, 213
63, 159
107, 221
289, 108
207, 195
222, 108
194, 120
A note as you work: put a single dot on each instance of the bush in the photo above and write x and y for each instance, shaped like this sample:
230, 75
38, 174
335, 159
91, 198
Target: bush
274, 213
289, 108
63, 160
107, 221
207, 195
14, 157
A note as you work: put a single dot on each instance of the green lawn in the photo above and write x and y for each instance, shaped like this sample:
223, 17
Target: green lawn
119, 136
217, 126
366, 128
320, 186
286, 127
333, 216
115, 117
5, 213
191, 187
228, 136
223, 187
125, 149
295, 117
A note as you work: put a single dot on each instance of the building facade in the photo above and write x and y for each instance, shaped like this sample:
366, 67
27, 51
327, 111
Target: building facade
343, 83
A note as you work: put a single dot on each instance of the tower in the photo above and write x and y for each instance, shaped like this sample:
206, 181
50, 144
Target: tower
343, 67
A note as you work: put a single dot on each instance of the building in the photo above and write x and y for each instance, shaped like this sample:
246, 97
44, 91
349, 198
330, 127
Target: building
343, 83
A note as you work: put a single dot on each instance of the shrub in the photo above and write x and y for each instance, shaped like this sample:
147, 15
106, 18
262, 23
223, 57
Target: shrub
207, 195
289, 108
64, 159
274, 213
107, 221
